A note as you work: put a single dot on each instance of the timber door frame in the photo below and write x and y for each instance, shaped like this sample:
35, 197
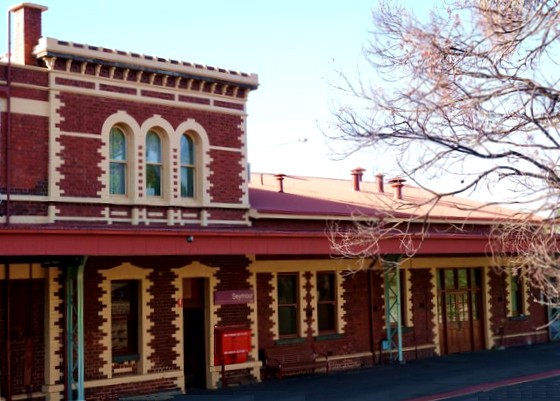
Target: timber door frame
463, 287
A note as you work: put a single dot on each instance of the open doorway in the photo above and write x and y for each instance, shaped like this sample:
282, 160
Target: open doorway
195, 331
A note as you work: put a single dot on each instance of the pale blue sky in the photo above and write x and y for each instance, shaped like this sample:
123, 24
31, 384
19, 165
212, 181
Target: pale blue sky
295, 47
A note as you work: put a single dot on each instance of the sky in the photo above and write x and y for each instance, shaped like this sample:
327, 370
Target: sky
296, 47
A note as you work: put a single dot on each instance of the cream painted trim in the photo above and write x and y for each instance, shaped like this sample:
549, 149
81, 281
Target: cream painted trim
196, 270
301, 300
448, 262
53, 331
55, 148
164, 130
340, 302
313, 301
53, 45
340, 324
245, 173
435, 314
408, 306
127, 271
26, 220
31, 198
35, 394
51, 392
112, 201
526, 295
133, 379
311, 265
486, 290
254, 320
81, 135
226, 149
137, 97
302, 304
525, 334
130, 129
413, 348
274, 295
237, 366
368, 354
20, 271
27, 106
202, 148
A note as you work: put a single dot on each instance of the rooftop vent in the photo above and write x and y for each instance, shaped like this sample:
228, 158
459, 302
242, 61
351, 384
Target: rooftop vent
357, 175
397, 184
280, 178
379, 180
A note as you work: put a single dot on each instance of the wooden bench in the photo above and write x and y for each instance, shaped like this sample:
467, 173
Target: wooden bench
294, 358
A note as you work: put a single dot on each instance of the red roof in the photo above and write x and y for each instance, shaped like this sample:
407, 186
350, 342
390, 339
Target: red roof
311, 197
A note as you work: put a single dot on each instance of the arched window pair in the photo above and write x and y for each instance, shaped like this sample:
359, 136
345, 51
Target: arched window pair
154, 164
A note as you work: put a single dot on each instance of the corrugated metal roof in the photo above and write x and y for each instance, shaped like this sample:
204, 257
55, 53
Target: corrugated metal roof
314, 197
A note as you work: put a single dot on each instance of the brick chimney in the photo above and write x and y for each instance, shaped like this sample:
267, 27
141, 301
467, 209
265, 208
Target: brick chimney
357, 175
27, 32
397, 184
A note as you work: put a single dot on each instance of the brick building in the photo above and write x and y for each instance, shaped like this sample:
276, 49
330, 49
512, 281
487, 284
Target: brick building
130, 231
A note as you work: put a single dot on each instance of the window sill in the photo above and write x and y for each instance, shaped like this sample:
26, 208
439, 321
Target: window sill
519, 318
329, 337
125, 358
286, 341
404, 329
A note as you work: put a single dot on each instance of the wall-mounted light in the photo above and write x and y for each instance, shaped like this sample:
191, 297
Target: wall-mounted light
190, 239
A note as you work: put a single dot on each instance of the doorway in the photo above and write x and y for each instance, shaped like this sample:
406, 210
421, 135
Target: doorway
461, 324
194, 332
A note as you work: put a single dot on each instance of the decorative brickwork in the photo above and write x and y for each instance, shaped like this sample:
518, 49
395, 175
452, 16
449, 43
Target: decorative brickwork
265, 312
94, 321
423, 304
163, 344
510, 331
129, 388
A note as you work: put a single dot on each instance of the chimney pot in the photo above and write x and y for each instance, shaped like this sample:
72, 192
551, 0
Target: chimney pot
27, 32
357, 175
379, 179
397, 184
280, 178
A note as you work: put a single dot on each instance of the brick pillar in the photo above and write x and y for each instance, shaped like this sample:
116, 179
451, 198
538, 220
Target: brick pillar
26, 32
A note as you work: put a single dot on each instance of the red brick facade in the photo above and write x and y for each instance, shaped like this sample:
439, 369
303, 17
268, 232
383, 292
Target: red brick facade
182, 252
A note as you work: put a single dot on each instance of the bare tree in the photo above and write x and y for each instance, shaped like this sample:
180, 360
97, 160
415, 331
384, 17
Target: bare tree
469, 102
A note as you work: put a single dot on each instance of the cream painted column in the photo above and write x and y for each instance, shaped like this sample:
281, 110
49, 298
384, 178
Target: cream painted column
487, 307
53, 334
435, 319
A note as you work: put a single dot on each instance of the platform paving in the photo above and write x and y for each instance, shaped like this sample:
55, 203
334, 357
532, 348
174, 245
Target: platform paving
518, 373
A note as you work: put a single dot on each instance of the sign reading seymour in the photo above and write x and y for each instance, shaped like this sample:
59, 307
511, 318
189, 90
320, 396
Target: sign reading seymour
234, 297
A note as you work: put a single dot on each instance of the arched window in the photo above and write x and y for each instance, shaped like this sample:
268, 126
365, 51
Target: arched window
118, 162
153, 164
188, 170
